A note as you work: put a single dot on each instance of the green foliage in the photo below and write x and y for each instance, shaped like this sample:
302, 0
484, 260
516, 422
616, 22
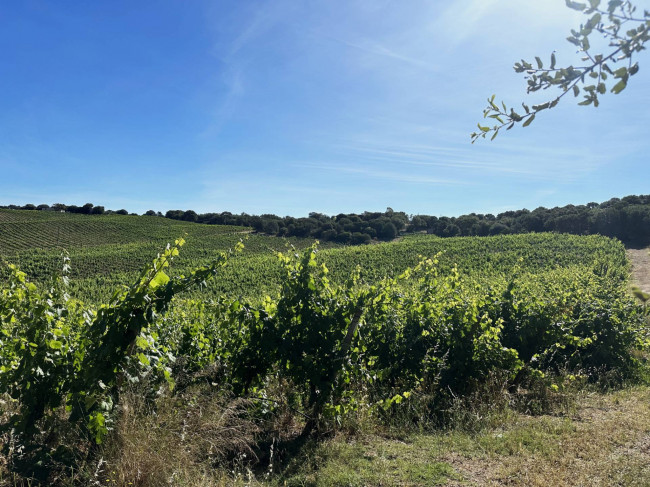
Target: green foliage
310, 328
619, 24
108, 250
437, 337
540, 304
37, 352
409, 325
58, 352
101, 264
29, 230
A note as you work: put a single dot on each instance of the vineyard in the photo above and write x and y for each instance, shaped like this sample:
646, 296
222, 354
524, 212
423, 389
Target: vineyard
301, 340
109, 250
29, 230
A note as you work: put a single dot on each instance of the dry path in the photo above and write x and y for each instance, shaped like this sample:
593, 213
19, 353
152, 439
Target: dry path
640, 259
605, 442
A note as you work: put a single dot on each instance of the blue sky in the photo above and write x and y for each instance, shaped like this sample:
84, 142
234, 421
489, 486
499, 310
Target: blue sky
290, 106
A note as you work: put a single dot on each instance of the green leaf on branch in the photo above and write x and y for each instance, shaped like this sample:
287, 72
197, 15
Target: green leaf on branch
543, 106
159, 280
97, 426
624, 43
576, 5
613, 5
594, 21
529, 121
618, 87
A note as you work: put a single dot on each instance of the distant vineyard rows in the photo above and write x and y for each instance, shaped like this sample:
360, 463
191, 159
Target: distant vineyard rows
396, 328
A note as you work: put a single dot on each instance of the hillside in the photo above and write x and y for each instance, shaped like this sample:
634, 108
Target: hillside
22, 230
109, 250
360, 358
627, 219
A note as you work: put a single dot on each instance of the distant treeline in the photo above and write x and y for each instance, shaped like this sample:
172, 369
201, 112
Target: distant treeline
345, 228
87, 209
627, 219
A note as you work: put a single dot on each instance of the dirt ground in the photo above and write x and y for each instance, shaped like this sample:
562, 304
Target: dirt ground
640, 259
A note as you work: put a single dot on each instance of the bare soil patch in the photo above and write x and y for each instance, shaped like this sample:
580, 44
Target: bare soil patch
640, 259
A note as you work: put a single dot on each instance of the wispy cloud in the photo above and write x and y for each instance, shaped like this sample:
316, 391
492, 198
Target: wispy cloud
246, 26
525, 161
237, 54
378, 174
226, 105
433, 158
462, 20
487, 19
376, 48
260, 23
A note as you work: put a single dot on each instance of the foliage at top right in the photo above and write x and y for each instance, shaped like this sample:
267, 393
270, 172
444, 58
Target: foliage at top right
619, 23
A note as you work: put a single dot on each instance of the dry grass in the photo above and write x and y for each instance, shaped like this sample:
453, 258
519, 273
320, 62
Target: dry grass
50, 455
182, 441
202, 439
605, 441
605, 444
640, 259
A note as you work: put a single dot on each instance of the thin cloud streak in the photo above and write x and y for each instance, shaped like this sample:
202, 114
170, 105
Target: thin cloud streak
227, 105
531, 162
471, 12
264, 18
377, 49
418, 159
374, 173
